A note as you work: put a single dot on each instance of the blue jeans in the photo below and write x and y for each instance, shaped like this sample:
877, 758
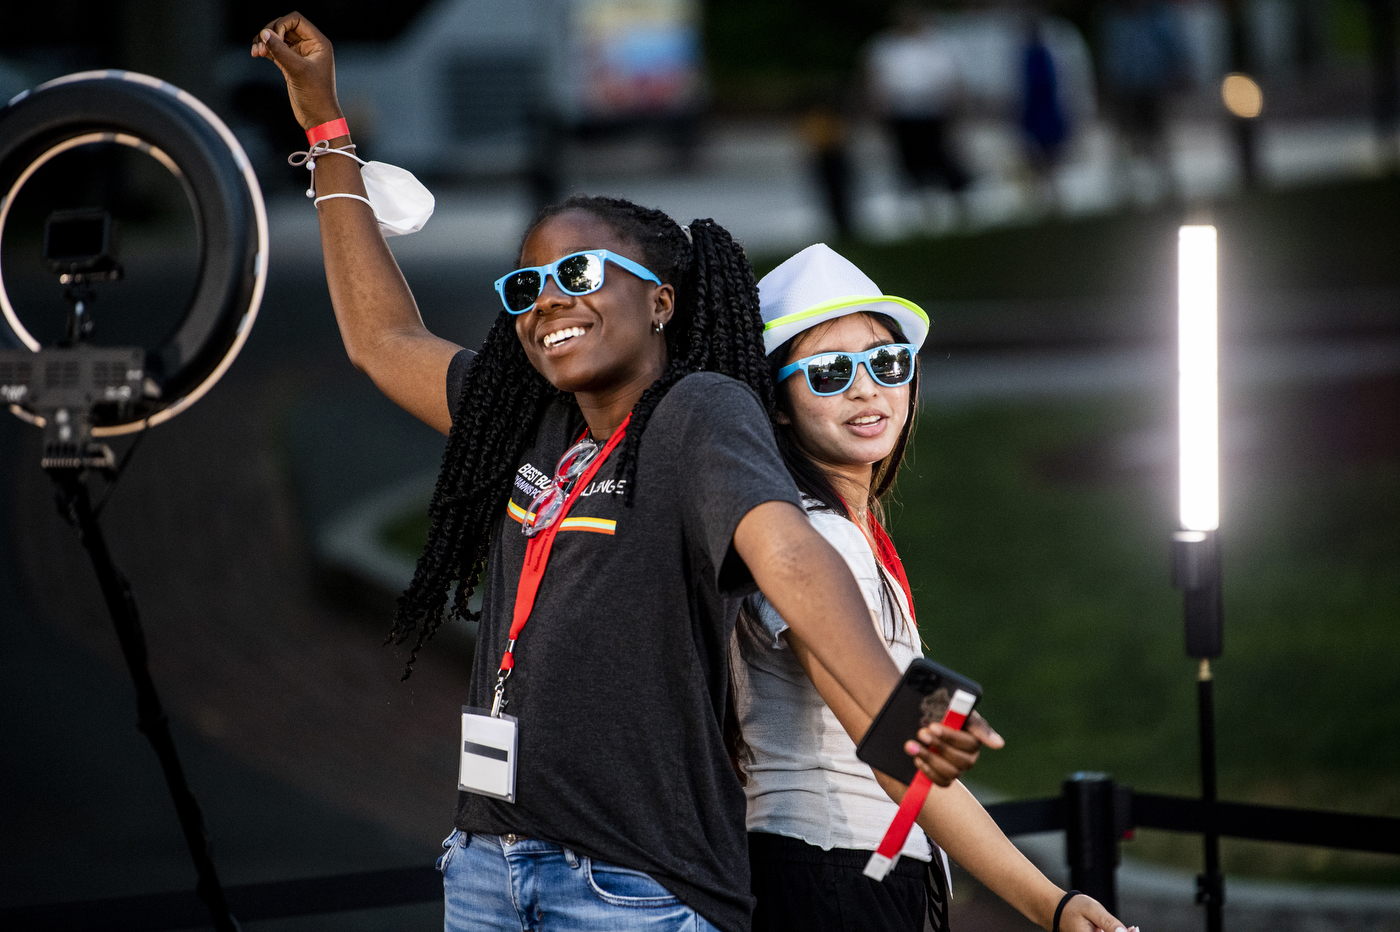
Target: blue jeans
495, 883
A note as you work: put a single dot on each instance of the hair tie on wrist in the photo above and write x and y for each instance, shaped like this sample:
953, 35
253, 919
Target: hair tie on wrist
1059, 910
327, 131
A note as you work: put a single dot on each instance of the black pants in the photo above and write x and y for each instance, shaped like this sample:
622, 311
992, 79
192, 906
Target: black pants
801, 888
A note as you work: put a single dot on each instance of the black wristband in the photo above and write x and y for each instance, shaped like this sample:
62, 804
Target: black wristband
1064, 901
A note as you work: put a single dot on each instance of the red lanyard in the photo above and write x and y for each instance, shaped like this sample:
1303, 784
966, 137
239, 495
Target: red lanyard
885, 553
884, 549
537, 559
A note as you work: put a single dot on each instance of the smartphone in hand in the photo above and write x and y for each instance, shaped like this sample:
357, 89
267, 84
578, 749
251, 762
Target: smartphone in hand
928, 693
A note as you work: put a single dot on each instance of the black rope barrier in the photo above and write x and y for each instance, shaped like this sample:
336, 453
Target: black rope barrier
1284, 824
1380, 834
285, 899
1028, 816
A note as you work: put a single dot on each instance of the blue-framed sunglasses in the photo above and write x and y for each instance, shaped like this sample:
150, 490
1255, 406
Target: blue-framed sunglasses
576, 274
891, 365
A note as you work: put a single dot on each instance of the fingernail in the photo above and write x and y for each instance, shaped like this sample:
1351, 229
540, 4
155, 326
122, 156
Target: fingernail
912, 747
265, 34
1120, 929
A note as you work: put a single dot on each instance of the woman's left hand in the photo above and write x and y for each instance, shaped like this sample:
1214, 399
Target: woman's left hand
945, 754
1083, 913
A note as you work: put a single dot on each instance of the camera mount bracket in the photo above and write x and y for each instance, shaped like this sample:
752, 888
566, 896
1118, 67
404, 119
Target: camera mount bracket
62, 385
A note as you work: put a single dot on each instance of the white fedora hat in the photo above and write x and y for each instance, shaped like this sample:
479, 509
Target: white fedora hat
819, 284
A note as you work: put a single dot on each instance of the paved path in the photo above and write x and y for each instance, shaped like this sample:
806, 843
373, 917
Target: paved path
753, 179
961, 378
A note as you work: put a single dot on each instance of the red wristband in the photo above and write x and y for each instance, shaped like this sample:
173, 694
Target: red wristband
327, 131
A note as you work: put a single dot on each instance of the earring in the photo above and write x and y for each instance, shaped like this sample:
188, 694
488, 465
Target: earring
658, 326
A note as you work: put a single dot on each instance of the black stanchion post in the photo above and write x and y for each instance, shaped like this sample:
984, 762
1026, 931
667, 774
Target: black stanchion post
1093, 827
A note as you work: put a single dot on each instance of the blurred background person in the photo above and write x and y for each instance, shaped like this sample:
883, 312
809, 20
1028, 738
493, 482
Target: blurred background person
1144, 61
1045, 127
914, 84
823, 127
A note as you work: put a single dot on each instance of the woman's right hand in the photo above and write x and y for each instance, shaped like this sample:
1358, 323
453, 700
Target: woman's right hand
944, 754
307, 62
379, 322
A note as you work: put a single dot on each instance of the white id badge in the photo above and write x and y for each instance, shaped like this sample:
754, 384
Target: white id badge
488, 754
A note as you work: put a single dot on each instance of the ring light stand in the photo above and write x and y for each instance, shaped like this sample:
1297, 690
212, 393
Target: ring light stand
80, 393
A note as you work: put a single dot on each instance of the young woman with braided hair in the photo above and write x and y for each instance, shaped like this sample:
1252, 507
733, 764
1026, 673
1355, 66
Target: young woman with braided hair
617, 414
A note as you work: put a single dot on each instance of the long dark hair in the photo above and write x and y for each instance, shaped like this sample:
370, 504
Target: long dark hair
814, 483
715, 327
811, 480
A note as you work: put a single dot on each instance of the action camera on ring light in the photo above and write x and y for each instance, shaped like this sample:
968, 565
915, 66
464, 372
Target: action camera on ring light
81, 393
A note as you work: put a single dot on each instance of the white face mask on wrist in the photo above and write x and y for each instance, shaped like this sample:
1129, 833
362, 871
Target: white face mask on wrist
400, 202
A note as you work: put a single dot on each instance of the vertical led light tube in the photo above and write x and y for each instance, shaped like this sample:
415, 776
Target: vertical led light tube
1198, 369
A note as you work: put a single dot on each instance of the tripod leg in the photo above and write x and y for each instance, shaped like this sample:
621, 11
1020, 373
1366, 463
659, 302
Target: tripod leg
151, 719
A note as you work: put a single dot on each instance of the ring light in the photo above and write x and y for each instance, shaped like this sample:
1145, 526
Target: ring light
182, 134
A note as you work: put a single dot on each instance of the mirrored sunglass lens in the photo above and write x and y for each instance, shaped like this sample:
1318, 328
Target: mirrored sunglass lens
891, 364
580, 274
521, 290
829, 374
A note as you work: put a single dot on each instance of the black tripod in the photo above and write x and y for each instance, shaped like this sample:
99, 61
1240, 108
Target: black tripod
70, 456
75, 503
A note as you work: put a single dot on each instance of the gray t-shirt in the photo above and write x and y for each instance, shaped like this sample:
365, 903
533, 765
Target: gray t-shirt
621, 674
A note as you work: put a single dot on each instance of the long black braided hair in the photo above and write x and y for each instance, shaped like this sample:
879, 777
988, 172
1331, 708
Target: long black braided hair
715, 327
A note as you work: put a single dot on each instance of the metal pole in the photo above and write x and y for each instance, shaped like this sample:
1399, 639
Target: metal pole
1385, 79
76, 505
1243, 129
1210, 886
1196, 571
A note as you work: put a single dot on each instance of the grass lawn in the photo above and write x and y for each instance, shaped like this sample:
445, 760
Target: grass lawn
1037, 545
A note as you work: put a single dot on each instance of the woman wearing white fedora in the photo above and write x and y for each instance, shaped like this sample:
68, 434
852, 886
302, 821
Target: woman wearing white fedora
845, 356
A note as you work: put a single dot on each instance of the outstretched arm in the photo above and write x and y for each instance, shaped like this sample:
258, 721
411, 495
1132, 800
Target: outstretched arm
379, 321
811, 586
956, 820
